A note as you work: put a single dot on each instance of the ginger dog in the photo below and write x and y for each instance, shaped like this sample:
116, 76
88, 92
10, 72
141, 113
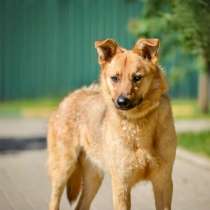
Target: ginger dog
123, 126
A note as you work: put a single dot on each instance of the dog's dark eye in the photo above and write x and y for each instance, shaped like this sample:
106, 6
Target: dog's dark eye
137, 78
115, 78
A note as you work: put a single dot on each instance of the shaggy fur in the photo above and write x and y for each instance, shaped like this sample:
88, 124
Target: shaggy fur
90, 134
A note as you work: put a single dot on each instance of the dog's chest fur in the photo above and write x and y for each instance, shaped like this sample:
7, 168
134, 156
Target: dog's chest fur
133, 133
132, 148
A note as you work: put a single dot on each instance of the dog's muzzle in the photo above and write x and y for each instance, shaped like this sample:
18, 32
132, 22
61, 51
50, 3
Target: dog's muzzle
125, 103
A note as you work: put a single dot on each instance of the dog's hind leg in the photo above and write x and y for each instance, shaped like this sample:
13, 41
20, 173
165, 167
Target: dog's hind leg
92, 178
61, 164
59, 179
63, 153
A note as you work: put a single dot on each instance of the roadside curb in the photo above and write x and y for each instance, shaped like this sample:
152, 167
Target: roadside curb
193, 126
23, 127
193, 159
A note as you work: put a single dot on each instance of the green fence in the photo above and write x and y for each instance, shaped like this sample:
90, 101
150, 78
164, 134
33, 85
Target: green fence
47, 46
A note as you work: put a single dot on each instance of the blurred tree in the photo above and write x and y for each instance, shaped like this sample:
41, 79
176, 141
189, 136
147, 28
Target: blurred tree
180, 24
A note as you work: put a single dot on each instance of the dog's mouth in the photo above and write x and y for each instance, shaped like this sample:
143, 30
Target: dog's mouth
128, 106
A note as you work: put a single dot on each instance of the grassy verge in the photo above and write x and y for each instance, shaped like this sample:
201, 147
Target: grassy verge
187, 109
196, 142
28, 108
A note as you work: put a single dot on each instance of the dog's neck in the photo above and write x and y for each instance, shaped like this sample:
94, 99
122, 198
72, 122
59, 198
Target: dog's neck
139, 112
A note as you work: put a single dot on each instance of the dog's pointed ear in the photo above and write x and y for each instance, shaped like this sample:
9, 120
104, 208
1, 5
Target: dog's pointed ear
106, 50
148, 49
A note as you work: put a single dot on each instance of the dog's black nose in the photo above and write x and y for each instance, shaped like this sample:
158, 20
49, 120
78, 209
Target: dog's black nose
123, 102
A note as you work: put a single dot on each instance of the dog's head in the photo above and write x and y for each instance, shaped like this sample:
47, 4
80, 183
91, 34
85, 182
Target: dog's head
132, 79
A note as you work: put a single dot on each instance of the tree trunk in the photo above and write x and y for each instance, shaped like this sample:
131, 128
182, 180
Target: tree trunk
203, 92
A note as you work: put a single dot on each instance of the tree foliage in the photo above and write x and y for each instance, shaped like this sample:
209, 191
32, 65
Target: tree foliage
177, 22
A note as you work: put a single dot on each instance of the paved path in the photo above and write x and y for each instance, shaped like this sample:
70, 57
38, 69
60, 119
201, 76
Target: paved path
24, 184
22, 127
192, 125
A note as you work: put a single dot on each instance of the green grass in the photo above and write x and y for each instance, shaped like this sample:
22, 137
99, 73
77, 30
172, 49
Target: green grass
188, 109
30, 102
196, 142
34, 107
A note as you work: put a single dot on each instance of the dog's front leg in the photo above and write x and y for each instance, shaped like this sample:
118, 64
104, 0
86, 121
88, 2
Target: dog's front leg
121, 194
163, 188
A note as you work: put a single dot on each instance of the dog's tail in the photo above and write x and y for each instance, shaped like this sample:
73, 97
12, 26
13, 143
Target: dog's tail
74, 185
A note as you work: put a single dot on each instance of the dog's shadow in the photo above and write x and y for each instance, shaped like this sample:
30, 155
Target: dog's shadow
14, 145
